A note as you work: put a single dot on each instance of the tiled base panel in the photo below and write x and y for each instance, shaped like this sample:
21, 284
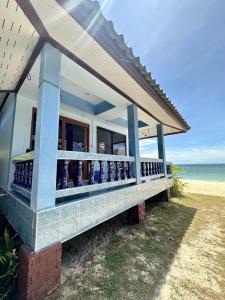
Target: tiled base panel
60, 223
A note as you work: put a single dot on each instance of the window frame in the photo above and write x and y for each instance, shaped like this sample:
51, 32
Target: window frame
111, 132
64, 120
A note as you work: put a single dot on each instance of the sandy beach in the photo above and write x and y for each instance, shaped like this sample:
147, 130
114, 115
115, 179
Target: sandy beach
205, 187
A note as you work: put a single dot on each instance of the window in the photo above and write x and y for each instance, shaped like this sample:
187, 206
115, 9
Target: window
73, 135
109, 142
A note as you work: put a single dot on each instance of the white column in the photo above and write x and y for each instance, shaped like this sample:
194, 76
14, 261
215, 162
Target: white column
46, 136
161, 146
133, 139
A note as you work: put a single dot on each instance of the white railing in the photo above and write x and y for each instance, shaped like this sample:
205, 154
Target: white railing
84, 172
151, 168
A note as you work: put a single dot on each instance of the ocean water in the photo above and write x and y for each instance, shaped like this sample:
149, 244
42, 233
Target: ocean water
207, 172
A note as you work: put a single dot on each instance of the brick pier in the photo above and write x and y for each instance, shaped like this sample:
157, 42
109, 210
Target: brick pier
39, 273
136, 214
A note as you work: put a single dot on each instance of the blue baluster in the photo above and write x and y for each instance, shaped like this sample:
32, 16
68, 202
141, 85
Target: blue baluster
117, 171
26, 174
124, 170
143, 167
147, 169
150, 168
79, 173
153, 168
129, 172
101, 172
110, 177
30, 173
16, 174
64, 175
91, 172
19, 173
22, 173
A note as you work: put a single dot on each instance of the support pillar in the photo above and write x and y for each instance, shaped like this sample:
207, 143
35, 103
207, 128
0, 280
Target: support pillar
39, 273
133, 139
136, 214
46, 136
161, 146
165, 195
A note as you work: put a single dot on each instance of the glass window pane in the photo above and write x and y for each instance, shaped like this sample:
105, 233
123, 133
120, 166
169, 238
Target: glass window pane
110, 142
74, 140
119, 144
104, 140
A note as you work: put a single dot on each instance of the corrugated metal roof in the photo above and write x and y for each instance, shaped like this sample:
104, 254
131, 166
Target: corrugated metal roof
97, 20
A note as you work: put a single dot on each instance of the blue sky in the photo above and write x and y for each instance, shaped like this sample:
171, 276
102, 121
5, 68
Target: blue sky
182, 43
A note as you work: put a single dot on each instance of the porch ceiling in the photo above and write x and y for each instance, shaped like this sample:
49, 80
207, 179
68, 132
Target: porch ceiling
83, 91
18, 39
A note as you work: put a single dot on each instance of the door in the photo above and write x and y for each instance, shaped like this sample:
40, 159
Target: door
75, 138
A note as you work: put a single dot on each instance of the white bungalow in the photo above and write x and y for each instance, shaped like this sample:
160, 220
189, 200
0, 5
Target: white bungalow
74, 102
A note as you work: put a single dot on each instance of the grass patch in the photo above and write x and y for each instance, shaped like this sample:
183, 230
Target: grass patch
152, 247
115, 241
114, 260
110, 287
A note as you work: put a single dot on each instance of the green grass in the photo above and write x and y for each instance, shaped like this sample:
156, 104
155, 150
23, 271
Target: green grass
110, 287
114, 260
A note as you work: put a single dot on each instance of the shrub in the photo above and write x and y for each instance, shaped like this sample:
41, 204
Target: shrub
177, 189
8, 265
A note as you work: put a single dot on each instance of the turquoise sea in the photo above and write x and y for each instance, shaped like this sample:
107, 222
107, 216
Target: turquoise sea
207, 172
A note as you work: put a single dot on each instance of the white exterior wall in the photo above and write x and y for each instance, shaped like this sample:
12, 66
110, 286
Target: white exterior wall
6, 128
22, 131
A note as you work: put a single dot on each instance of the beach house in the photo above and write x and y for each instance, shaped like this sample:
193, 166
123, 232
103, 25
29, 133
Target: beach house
74, 103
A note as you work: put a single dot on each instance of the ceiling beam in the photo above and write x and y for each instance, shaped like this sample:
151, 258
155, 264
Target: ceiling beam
103, 107
142, 124
76, 102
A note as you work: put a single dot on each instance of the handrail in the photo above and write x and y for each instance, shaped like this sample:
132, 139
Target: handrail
74, 155
24, 157
148, 159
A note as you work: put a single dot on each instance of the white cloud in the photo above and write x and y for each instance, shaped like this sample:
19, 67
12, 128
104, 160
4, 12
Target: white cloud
204, 155
147, 142
190, 155
148, 148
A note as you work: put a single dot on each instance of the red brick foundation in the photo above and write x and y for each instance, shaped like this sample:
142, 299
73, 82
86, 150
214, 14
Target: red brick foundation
136, 214
39, 273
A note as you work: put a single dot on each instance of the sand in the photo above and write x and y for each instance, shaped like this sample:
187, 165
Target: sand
205, 187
